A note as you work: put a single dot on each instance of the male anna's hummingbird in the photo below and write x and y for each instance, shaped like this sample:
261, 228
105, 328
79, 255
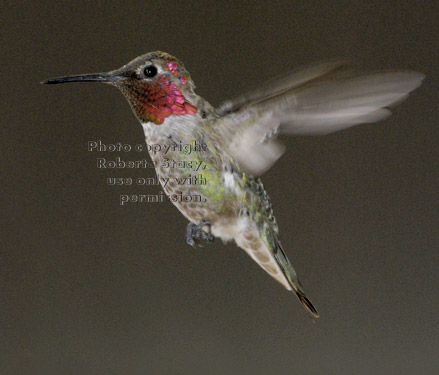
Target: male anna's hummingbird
239, 140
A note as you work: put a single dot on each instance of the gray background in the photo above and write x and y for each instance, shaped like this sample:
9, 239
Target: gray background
90, 287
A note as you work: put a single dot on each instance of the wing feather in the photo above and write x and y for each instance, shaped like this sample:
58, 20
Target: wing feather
319, 99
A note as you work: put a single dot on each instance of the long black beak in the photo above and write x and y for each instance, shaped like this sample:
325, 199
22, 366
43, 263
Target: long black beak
94, 77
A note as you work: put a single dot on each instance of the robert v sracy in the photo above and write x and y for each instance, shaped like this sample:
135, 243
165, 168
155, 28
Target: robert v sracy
118, 163
160, 197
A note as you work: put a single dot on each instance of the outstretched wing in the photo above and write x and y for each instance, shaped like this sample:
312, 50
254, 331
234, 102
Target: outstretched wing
320, 99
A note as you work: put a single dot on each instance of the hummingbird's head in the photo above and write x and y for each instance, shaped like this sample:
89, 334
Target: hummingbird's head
156, 85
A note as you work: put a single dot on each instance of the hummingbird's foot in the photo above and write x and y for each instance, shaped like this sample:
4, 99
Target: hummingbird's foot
195, 234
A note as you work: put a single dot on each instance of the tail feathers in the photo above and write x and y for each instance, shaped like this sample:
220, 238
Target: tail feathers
291, 276
307, 304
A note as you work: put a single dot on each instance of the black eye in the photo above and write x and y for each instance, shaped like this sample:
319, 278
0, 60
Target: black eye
150, 71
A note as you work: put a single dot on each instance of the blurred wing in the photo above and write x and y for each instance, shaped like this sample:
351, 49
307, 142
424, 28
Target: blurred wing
320, 99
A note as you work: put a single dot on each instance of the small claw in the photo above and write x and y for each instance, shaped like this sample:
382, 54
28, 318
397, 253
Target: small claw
190, 241
207, 237
191, 235
195, 234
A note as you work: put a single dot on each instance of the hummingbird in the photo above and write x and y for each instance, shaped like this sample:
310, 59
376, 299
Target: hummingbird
240, 139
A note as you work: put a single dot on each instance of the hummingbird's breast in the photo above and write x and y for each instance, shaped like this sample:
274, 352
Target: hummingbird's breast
192, 169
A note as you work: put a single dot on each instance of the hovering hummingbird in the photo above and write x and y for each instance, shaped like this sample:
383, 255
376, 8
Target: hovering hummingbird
240, 141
